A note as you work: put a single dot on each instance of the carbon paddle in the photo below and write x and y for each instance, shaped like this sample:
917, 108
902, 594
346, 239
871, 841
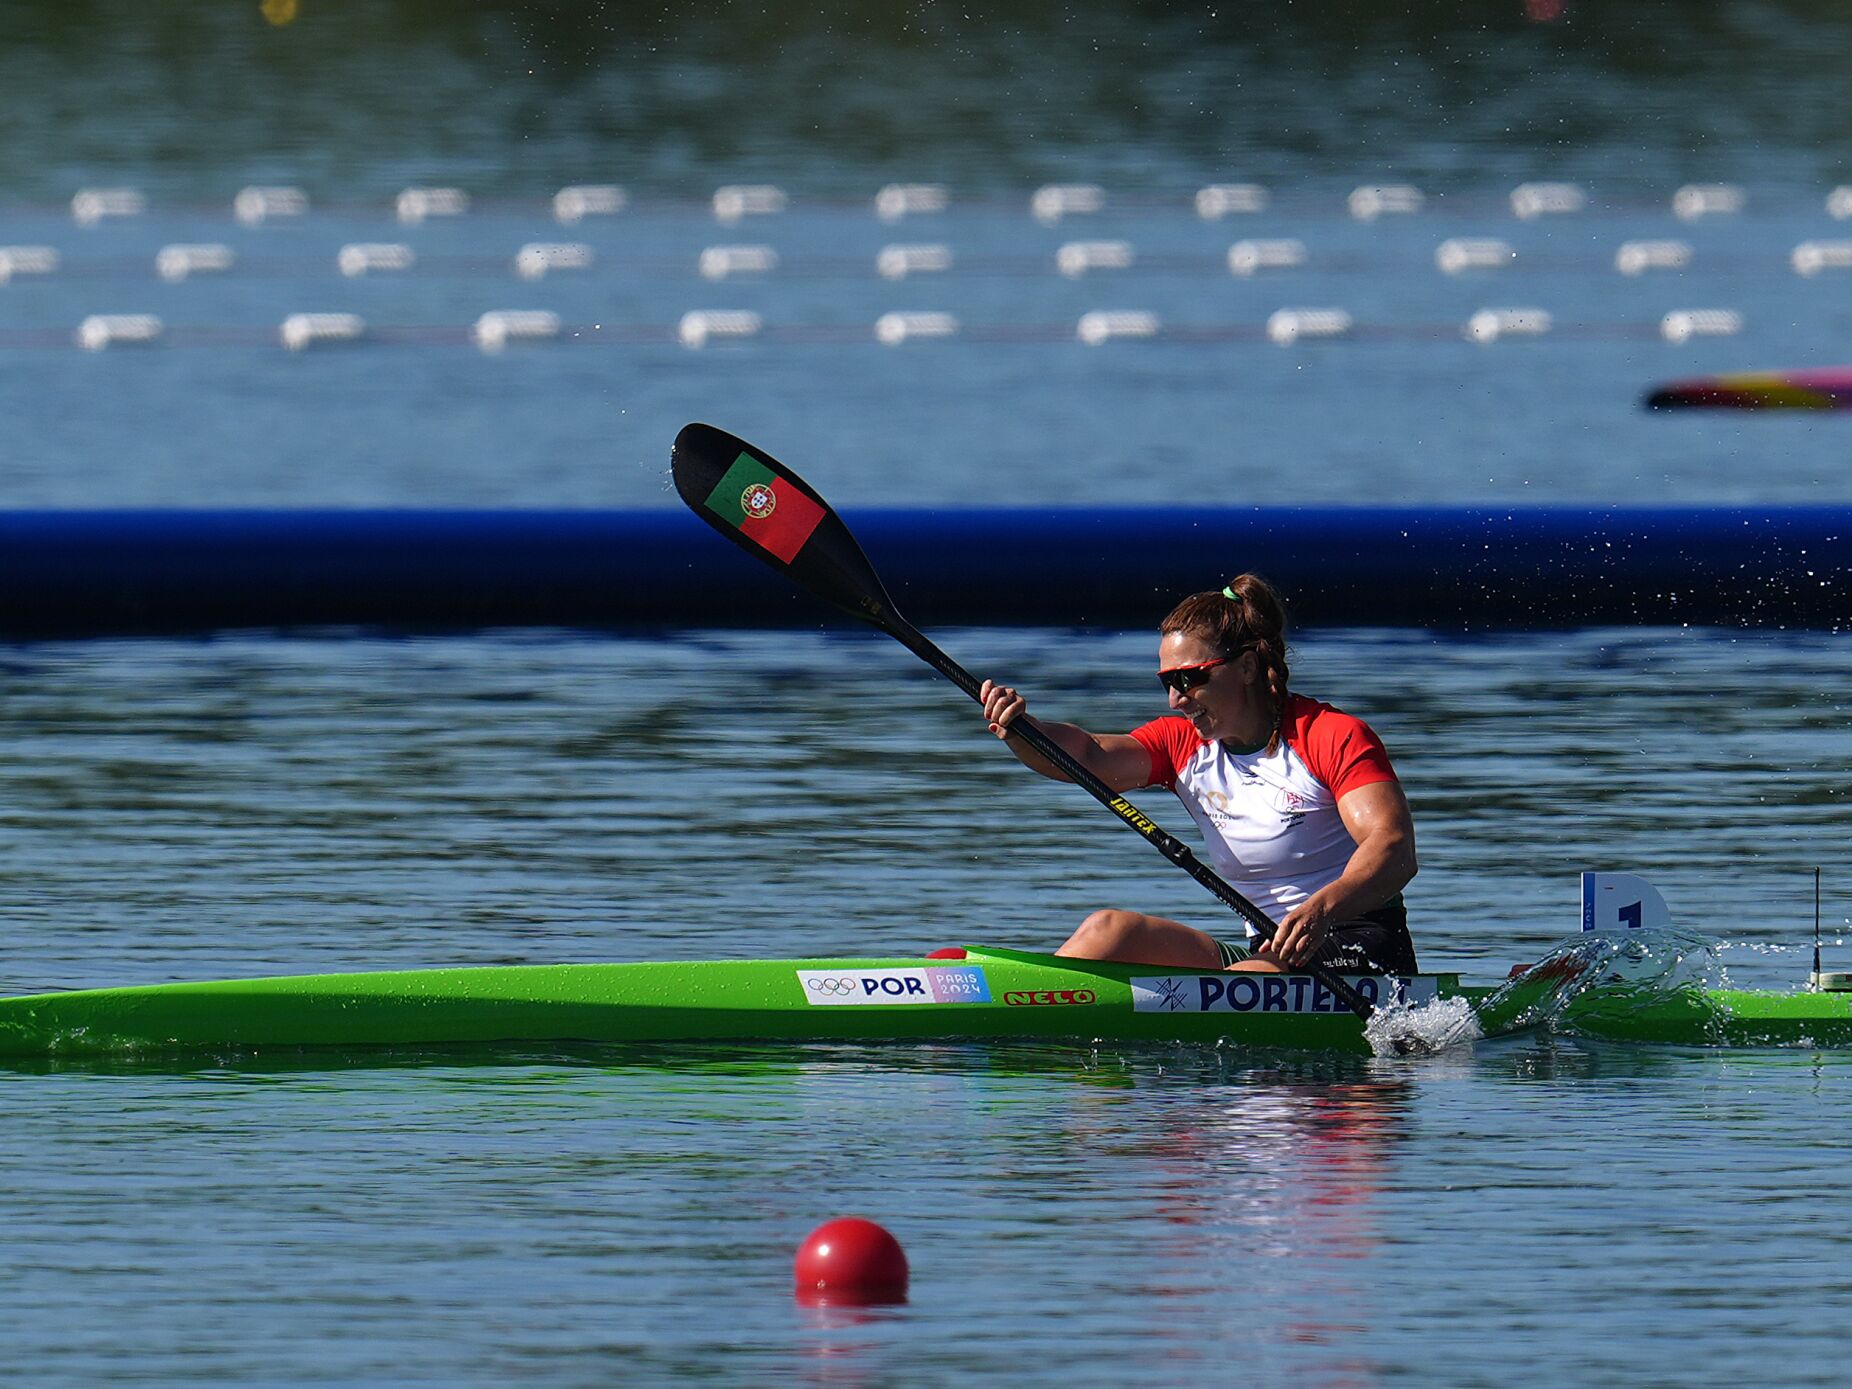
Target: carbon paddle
774, 515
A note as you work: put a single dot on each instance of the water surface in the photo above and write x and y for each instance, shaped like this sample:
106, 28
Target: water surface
1075, 1216
178, 810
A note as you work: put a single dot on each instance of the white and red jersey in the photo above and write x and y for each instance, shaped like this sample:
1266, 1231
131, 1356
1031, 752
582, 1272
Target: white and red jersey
1270, 819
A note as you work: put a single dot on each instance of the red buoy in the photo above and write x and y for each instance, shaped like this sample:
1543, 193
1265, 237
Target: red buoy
851, 1262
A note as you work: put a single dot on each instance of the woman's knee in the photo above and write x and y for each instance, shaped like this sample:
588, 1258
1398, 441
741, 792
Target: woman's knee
1134, 938
1104, 932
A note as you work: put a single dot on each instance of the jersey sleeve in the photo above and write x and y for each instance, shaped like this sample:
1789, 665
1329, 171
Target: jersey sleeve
1340, 750
1171, 742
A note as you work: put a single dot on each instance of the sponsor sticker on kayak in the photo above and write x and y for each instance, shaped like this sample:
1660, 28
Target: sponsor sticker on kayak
931, 984
1268, 993
1044, 998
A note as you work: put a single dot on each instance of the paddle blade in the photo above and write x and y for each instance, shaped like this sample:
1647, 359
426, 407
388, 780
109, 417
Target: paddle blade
774, 515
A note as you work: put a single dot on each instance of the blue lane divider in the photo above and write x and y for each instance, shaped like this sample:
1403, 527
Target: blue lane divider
95, 573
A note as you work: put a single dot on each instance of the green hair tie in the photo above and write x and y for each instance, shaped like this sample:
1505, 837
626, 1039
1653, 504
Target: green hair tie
1230, 594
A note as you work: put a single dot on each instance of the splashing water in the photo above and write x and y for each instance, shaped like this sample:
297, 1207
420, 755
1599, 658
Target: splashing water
1585, 976
1421, 1029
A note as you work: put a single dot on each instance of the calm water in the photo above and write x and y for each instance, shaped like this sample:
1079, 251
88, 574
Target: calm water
188, 810
1616, 1216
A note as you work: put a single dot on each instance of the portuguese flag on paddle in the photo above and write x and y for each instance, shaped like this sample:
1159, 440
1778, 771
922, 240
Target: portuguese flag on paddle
764, 508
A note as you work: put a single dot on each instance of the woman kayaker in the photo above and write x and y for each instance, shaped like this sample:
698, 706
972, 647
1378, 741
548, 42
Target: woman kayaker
1297, 802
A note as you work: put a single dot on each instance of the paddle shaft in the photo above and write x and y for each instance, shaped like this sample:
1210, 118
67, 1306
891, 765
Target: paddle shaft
1163, 841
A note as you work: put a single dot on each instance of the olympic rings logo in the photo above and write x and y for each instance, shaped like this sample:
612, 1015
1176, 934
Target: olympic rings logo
836, 987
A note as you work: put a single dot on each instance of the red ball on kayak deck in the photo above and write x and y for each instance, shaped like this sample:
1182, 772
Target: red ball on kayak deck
852, 1262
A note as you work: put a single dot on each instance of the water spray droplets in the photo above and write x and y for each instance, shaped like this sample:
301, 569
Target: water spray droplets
1589, 978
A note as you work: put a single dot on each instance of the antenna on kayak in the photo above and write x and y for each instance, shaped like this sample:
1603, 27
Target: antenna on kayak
1815, 981
1824, 981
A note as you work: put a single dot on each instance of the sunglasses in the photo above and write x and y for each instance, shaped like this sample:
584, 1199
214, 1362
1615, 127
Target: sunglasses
1183, 679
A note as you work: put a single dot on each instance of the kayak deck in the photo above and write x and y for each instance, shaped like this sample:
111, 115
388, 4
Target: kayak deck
989, 993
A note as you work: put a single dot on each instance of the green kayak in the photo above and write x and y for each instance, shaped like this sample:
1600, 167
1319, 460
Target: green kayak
981, 993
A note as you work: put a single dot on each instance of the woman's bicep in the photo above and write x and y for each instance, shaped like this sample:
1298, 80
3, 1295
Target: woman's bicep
1378, 808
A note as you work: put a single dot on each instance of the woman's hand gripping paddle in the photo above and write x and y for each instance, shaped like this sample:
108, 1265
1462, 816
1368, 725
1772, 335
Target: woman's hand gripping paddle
774, 515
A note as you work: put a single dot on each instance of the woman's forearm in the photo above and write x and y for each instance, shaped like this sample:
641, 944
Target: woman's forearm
1075, 741
1383, 864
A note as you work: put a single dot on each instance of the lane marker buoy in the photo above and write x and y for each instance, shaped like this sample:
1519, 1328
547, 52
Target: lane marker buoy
850, 1262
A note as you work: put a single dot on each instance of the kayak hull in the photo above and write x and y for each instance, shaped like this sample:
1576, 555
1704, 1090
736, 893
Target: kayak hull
990, 993
987, 994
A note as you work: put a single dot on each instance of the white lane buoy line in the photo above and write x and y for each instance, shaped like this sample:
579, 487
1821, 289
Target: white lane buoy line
259, 204
899, 261
495, 329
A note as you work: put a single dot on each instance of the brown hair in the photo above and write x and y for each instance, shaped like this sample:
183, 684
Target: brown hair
1248, 613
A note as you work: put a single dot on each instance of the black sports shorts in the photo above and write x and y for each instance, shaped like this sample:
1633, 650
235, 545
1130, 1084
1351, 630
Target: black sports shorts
1375, 943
